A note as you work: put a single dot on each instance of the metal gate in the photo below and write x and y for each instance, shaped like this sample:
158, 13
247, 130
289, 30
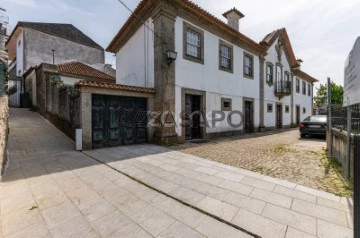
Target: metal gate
14, 89
118, 120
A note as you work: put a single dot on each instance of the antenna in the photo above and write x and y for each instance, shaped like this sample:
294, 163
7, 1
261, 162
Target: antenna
53, 53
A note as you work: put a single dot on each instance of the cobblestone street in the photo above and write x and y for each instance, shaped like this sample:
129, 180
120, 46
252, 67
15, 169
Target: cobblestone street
282, 155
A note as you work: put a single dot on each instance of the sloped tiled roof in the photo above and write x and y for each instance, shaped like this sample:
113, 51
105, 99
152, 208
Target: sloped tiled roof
303, 75
196, 10
98, 84
270, 38
65, 31
79, 69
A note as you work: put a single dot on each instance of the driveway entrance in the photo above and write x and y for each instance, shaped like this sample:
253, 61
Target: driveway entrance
118, 120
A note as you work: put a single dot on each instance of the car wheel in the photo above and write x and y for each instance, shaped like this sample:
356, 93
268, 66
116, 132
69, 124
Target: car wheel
303, 135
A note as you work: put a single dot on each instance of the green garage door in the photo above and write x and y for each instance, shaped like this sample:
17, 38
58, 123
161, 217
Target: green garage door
118, 120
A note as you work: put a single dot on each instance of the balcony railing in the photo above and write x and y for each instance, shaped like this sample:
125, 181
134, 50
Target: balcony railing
282, 88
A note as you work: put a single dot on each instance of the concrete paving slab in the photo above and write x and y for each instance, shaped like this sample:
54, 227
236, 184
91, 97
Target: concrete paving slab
70, 189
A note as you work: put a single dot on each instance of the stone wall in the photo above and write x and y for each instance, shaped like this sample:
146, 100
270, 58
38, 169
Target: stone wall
339, 141
57, 103
38, 49
4, 131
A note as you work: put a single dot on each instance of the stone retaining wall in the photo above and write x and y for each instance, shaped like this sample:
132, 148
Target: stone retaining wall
4, 132
339, 141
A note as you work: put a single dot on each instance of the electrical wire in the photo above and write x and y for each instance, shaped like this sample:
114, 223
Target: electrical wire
132, 12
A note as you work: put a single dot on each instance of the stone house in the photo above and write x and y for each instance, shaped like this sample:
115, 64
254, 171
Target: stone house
218, 70
75, 95
33, 43
51, 90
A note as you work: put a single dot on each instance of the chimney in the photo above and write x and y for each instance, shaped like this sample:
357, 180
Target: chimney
234, 16
299, 61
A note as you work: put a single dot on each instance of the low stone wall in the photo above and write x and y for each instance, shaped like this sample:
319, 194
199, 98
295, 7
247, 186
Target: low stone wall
60, 104
339, 141
4, 132
64, 115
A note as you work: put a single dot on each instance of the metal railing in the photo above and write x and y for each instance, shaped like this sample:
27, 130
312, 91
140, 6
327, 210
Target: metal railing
339, 117
282, 87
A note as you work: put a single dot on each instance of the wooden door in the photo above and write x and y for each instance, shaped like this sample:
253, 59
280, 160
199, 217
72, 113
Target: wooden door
249, 119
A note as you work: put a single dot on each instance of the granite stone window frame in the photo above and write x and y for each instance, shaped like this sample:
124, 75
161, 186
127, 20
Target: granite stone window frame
304, 110
270, 107
190, 29
226, 56
269, 73
226, 104
248, 66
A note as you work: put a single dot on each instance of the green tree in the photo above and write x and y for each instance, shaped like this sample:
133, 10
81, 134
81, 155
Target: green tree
337, 92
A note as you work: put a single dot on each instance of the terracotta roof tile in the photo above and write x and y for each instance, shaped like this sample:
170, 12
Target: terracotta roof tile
303, 75
80, 69
190, 6
98, 84
270, 38
65, 31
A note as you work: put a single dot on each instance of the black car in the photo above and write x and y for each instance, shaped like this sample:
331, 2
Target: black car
313, 125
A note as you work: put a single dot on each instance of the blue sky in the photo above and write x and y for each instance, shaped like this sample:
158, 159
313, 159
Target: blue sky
322, 32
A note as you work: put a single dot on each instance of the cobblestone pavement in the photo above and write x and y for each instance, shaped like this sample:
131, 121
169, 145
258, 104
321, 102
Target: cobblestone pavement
52, 191
281, 155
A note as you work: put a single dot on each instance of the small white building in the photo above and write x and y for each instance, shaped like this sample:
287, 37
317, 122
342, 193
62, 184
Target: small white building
237, 84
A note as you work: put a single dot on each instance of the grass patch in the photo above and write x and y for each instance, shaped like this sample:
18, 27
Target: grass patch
33, 207
334, 176
281, 149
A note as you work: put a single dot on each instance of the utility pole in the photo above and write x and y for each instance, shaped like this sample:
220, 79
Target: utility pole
329, 116
53, 54
357, 186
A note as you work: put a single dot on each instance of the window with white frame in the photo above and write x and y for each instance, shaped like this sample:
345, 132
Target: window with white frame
248, 66
303, 88
297, 85
287, 81
269, 73
226, 56
193, 44
278, 73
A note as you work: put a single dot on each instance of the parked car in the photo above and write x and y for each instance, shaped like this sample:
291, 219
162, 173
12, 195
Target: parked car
313, 125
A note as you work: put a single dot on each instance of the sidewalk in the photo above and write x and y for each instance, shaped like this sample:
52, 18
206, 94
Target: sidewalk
52, 191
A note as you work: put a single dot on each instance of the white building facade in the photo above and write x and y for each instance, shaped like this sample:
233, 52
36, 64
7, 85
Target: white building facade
221, 83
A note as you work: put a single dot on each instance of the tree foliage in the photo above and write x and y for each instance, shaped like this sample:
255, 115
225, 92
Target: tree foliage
337, 92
